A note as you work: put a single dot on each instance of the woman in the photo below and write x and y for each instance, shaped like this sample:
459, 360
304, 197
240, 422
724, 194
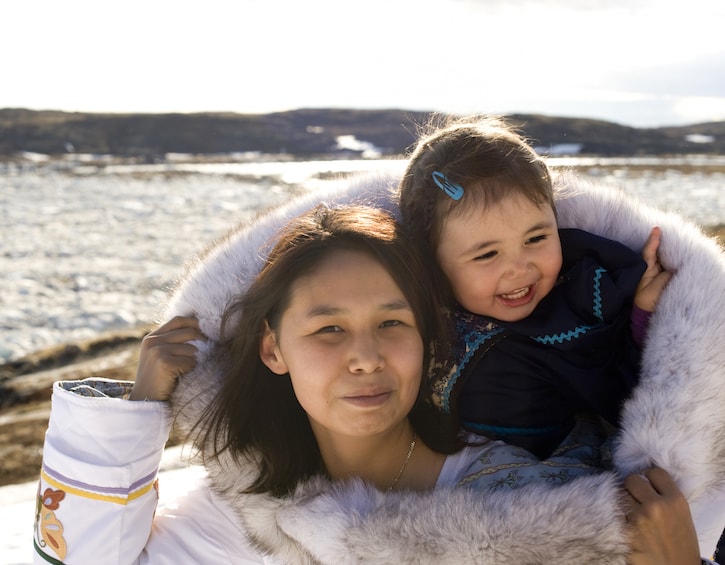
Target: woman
321, 363
275, 525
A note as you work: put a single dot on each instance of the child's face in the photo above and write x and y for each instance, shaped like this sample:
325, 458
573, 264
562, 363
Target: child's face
501, 260
351, 345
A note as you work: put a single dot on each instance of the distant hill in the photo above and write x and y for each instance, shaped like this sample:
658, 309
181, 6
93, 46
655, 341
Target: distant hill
310, 132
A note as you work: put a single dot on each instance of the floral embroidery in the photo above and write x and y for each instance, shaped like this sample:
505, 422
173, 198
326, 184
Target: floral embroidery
475, 335
511, 480
46, 523
561, 477
51, 498
156, 488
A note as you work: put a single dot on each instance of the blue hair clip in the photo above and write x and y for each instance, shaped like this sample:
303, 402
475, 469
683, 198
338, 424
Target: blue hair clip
452, 189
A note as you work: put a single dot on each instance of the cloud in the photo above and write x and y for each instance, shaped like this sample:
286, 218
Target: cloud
703, 75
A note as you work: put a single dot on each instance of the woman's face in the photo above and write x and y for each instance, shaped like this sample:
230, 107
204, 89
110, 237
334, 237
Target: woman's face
351, 346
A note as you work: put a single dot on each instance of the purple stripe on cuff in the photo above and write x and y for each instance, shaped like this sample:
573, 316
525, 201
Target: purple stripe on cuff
95, 488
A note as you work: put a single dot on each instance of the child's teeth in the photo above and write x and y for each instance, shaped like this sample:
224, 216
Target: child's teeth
517, 294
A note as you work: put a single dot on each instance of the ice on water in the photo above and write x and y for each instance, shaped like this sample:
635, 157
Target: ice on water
88, 249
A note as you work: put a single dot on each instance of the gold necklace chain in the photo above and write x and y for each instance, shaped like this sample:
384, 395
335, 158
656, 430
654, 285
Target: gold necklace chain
405, 464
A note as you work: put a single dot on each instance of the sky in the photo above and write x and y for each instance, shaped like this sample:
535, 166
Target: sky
642, 63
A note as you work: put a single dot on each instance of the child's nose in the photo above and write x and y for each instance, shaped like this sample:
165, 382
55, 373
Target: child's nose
518, 264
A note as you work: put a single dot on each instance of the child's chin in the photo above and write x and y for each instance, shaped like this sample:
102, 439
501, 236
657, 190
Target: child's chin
515, 314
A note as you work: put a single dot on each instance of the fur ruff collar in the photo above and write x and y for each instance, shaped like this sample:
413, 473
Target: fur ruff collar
674, 419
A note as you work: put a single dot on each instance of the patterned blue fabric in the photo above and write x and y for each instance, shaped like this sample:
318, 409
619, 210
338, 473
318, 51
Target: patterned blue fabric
586, 450
523, 381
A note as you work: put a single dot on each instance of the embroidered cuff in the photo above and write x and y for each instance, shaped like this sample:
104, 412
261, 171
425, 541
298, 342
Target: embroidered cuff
640, 321
98, 387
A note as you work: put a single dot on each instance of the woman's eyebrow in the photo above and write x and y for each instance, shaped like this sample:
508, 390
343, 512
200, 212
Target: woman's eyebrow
323, 310
395, 305
328, 310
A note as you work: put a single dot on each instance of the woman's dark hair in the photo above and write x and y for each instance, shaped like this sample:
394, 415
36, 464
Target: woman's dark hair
255, 413
484, 155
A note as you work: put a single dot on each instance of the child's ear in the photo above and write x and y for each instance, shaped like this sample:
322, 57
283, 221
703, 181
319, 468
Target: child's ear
269, 352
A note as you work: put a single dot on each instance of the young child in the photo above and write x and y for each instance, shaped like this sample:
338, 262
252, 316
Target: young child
318, 372
541, 315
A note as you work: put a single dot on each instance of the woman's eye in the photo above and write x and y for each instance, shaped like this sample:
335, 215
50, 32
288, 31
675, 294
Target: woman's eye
391, 323
329, 329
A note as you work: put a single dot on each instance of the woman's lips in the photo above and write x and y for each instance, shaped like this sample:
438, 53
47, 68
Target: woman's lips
368, 399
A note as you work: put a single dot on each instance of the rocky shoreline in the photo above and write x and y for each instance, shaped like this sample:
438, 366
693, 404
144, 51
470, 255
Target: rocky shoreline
309, 132
26, 384
25, 389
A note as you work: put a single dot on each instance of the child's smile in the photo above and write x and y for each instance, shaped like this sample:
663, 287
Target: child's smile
518, 297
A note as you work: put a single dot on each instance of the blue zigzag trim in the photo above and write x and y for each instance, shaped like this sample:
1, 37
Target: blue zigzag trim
597, 306
561, 337
580, 330
471, 348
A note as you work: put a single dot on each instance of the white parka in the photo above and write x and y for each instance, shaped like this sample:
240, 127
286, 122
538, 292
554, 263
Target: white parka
675, 419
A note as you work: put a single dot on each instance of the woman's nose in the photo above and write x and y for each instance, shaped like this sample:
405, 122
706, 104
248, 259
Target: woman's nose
365, 355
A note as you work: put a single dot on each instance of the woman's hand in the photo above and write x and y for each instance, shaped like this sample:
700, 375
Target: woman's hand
655, 277
660, 524
166, 354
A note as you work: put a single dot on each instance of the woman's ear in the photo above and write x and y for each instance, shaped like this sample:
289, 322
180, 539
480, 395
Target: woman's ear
269, 352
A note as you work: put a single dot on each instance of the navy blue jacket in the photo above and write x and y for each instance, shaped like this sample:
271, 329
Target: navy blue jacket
523, 381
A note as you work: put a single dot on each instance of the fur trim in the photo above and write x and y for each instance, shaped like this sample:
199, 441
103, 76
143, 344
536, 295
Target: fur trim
344, 525
674, 419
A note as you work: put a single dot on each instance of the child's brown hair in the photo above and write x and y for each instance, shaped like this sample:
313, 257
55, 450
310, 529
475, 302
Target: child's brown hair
465, 164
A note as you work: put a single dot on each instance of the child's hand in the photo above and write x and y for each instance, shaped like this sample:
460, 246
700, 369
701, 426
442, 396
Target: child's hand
166, 354
660, 523
655, 278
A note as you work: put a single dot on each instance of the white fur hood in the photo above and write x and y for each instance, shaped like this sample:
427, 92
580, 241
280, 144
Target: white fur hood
675, 419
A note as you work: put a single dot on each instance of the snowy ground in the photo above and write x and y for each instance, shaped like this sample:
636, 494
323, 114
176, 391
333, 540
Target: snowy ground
87, 249
84, 252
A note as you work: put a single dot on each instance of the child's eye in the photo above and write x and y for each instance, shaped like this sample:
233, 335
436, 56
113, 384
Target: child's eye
486, 256
391, 323
537, 238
